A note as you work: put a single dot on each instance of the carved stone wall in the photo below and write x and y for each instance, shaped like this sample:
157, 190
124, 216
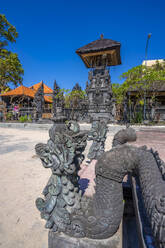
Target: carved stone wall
99, 92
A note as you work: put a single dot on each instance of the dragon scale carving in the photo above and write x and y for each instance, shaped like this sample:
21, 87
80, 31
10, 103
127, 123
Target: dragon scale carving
103, 218
63, 155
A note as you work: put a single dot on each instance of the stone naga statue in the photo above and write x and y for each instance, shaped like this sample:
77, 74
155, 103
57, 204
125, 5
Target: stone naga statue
63, 155
98, 134
99, 217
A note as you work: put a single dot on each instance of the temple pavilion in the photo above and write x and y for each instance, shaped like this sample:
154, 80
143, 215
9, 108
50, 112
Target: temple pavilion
24, 96
99, 55
22, 99
154, 110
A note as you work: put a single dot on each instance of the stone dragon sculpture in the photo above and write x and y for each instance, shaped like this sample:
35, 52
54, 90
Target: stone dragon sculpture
98, 135
63, 155
99, 217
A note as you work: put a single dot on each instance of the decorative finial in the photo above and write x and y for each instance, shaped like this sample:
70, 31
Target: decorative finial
55, 85
76, 87
42, 83
101, 36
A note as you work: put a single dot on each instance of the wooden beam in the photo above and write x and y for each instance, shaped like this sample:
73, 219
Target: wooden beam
85, 61
98, 53
88, 58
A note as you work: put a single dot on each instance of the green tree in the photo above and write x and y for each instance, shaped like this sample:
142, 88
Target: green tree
145, 81
143, 78
119, 92
11, 70
62, 95
73, 98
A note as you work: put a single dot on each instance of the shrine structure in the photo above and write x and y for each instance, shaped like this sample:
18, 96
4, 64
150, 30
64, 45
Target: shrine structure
99, 55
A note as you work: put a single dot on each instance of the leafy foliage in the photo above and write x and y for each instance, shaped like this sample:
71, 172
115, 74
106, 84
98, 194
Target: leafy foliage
138, 117
119, 92
11, 70
145, 78
5, 90
142, 80
7, 31
9, 116
62, 93
25, 118
73, 98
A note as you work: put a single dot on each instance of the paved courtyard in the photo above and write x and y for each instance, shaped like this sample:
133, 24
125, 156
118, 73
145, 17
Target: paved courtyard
23, 178
152, 138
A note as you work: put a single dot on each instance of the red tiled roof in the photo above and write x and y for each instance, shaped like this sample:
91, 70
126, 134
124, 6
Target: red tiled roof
47, 90
22, 90
48, 99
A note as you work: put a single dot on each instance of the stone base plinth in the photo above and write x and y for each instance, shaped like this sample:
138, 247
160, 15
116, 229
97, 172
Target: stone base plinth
60, 240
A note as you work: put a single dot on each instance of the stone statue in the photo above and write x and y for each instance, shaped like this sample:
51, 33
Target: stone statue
98, 135
87, 85
58, 104
56, 91
63, 155
38, 102
124, 136
99, 217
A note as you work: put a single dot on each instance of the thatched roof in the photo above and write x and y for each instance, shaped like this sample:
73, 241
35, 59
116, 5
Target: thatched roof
98, 45
106, 51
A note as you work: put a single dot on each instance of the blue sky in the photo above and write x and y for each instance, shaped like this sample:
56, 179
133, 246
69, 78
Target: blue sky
50, 32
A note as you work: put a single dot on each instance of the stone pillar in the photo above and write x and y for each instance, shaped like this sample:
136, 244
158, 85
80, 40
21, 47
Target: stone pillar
38, 103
